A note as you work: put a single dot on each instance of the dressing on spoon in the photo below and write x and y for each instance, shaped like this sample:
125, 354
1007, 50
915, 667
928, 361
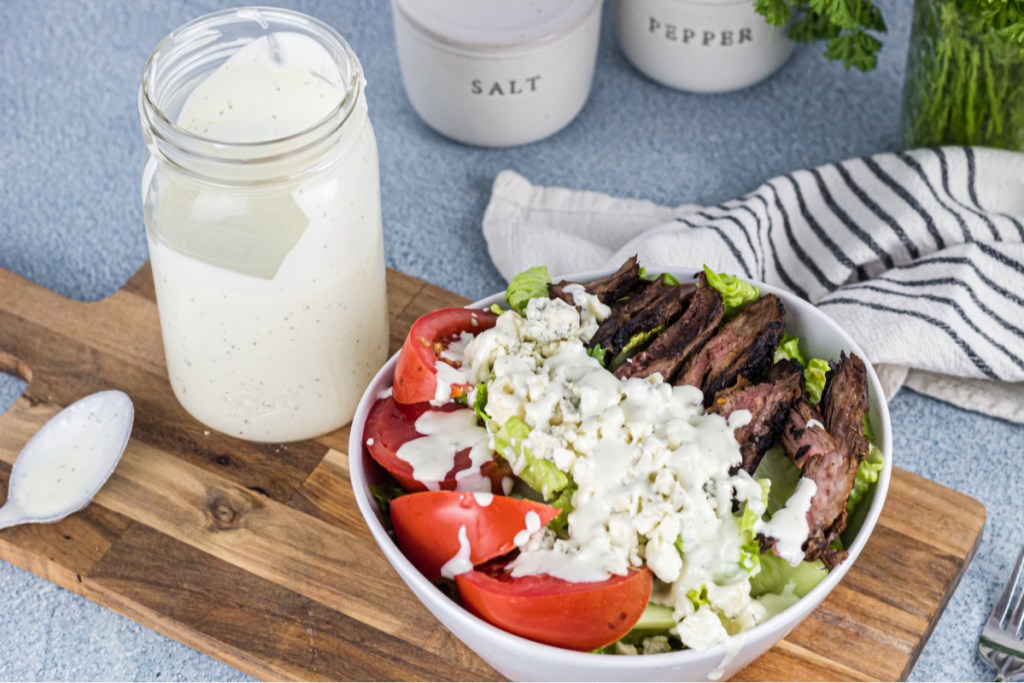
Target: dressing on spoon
69, 459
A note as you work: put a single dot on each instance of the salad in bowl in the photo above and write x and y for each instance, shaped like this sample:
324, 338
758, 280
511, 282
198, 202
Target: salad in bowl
627, 464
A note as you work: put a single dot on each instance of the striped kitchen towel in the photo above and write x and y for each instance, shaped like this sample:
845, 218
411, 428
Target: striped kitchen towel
918, 255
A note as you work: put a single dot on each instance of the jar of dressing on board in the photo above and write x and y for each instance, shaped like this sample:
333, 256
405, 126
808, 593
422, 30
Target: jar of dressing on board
261, 197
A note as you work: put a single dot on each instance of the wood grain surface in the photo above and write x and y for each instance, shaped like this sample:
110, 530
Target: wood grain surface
256, 554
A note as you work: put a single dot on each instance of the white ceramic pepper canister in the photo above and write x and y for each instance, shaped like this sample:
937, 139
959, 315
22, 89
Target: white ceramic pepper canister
701, 45
497, 73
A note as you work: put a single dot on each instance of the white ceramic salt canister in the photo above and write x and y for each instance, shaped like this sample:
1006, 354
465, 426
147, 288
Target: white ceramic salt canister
497, 73
701, 45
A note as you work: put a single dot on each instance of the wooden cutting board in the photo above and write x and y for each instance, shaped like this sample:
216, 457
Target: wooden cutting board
257, 555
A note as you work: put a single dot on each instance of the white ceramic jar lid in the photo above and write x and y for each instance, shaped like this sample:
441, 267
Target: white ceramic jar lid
496, 24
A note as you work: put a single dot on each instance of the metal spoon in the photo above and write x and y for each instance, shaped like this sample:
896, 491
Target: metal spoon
65, 464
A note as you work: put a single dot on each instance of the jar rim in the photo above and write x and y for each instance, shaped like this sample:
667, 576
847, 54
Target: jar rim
156, 119
498, 46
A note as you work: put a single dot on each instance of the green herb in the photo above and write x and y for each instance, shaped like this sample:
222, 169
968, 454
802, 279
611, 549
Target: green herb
480, 402
598, 352
698, 597
965, 74
846, 26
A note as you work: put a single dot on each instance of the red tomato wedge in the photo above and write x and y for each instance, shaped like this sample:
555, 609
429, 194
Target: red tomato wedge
427, 526
391, 424
416, 371
577, 616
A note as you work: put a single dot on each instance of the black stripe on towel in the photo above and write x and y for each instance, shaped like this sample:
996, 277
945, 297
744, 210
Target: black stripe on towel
964, 346
793, 286
973, 193
902, 193
964, 261
952, 304
795, 244
845, 219
944, 170
859, 192
742, 228
911, 163
953, 282
816, 228
1001, 257
760, 235
725, 238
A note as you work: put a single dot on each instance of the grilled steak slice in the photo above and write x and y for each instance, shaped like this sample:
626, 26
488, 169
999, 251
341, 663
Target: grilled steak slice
620, 284
656, 305
742, 347
804, 435
830, 452
844, 403
768, 403
673, 346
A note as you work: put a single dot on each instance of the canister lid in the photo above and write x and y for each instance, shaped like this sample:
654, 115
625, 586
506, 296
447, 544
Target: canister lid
496, 23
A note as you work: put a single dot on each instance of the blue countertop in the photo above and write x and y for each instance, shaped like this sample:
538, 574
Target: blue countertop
70, 219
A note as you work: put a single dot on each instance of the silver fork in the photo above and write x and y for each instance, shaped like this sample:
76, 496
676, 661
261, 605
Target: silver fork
1002, 639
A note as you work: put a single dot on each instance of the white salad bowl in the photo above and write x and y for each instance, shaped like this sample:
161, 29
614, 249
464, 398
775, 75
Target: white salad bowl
521, 659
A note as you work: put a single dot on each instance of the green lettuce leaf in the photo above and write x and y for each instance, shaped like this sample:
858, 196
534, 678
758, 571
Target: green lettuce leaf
634, 344
563, 503
814, 378
776, 467
815, 369
529, 284
789, 349
869, 433
736, 293
776, 573
667, 278
540, 475
750, 551
867, 476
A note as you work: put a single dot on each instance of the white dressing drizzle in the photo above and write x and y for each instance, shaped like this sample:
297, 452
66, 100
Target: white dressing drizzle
532, 526
460, 562
432, 456
652, 469
483, 499
789, 525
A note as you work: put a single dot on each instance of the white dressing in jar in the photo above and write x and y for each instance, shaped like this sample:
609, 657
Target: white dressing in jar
264, 225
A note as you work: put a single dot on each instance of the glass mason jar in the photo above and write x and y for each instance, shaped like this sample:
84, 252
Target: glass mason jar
965, 81
261, 197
